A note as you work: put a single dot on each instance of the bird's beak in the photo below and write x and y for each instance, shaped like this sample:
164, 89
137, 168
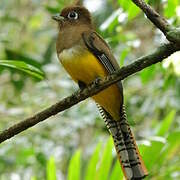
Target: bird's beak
58, 17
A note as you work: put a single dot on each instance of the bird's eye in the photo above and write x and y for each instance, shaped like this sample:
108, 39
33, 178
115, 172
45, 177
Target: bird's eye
73, 15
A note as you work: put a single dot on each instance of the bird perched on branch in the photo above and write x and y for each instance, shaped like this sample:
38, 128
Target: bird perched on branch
87, 57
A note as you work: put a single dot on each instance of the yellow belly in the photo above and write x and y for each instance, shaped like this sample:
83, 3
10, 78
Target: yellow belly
86, 67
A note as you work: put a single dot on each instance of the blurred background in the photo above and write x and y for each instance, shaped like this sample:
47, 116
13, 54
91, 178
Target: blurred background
75, 144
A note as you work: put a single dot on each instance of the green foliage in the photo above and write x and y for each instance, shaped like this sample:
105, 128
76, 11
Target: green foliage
170, 8
106, 161
156, 152
28, 55
93, 162
130, 7
166, 123
22, 66
74, 169
51, 169
98, 167
33, 178
148, 74
13, 55
116, 172
123, 55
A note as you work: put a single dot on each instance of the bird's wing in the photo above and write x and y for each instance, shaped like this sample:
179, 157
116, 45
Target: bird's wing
101, 50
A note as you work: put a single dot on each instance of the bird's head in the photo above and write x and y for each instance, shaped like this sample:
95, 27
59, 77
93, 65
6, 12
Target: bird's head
73, 16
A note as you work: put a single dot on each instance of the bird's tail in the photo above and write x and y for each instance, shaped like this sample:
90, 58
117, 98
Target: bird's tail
127, 151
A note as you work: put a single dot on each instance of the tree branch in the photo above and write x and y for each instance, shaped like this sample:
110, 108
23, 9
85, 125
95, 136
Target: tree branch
171, 33
157, 56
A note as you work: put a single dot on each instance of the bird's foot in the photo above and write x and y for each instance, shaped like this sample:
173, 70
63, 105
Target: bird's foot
97, 81
82, 85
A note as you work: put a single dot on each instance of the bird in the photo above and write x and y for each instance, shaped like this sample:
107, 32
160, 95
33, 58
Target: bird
87, 57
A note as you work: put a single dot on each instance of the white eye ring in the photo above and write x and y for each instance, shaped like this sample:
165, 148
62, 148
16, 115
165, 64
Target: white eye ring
73, 15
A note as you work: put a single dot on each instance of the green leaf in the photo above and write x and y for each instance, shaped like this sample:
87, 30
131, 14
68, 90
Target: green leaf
172, 146
13, 55
124, 4
33, 178
170, 9
174, 143
174, 137
166, 123
41, 158
51, 169
105, 165
22, 66
169, 80
130, 8
23, 155
123, 55
133, 11
52, 10
92, 165
74, 168
147, 74
116, 173
152, 152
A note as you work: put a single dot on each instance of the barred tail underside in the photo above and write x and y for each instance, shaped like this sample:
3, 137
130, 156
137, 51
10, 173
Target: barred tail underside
127, 151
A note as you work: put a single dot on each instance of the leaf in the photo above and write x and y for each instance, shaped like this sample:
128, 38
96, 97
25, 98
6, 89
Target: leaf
174, 137
166, 123
123, 55
147, 74
130, 8
105, 165
22, 66
116, 173
151, 153
23, 155
133, 11
13, 55
35, 21
170, 9
92, 165
74, 168
41, 158
172, 145
51, 169
33, 178
52, 10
